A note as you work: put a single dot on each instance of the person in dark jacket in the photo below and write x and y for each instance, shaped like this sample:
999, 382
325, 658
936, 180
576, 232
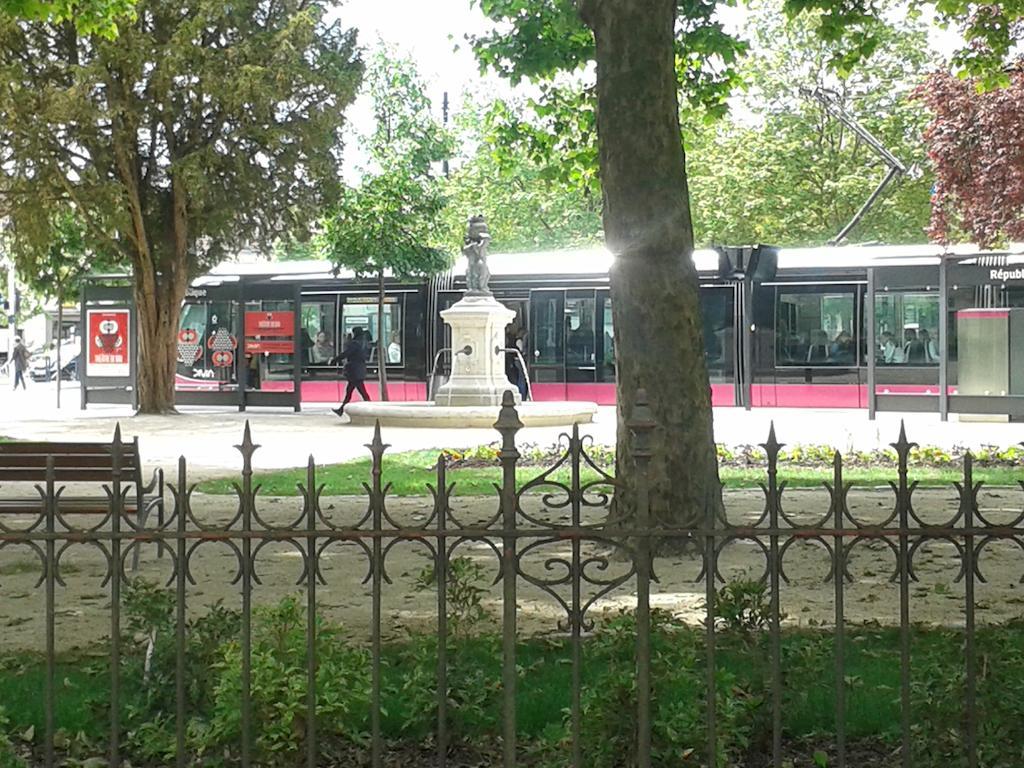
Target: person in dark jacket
355, 355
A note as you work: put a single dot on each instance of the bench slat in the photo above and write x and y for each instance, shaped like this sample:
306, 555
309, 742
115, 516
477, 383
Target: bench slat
63, 475
61, 448
128, 463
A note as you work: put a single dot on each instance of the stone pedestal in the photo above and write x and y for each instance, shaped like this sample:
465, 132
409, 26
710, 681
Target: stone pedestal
478, 325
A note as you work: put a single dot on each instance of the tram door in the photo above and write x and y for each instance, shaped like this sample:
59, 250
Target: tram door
547, 339
720, 312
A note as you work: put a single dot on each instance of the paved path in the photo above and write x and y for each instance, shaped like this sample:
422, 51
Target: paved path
206, 435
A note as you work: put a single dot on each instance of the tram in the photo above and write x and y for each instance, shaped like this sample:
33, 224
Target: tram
824, 327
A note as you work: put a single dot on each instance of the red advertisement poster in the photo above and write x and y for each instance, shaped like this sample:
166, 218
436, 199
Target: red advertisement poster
109, 344
270, 324
270, 346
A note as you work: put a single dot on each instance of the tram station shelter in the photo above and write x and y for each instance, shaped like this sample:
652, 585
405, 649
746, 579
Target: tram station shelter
882, 328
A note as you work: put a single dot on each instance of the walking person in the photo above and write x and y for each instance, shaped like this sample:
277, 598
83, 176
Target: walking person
355, 355
21, 358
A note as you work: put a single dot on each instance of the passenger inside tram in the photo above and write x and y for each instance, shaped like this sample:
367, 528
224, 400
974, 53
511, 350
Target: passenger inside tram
322, 350
913, 349
842, 349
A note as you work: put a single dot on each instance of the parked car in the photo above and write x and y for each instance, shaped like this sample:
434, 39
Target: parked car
44, 363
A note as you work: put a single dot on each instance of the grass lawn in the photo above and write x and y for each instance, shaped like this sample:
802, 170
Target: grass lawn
410, 472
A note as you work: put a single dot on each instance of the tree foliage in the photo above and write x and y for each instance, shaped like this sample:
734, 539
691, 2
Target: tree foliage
527, 202
390, 220
975, 144
782, 170
777, 168
99, 17
54, 269
203, 128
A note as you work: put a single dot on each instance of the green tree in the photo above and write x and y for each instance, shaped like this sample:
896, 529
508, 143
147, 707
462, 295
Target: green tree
203, 128
786, 172
99, 17
391, 221
55, 270
527, 204
646, 53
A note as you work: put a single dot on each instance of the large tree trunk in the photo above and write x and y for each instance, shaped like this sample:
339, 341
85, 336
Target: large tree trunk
157, 327
655, 292
382, 343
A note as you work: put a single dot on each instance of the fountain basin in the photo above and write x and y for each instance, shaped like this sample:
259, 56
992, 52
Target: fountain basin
428, 414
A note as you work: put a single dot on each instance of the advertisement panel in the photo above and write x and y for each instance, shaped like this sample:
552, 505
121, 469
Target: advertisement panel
270, 324
109, 343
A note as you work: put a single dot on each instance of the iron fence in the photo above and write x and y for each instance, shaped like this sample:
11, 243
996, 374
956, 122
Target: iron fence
576, 581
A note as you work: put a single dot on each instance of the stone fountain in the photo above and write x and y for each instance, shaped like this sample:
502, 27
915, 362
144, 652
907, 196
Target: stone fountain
473, 393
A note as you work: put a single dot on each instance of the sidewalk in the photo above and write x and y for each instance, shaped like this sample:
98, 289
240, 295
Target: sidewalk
207, 435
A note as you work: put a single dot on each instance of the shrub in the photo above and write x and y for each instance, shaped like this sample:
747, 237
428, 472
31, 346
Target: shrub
678, 698
278, 688
743, 606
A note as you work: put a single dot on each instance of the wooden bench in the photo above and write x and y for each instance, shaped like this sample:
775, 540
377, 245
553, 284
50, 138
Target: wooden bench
80, 462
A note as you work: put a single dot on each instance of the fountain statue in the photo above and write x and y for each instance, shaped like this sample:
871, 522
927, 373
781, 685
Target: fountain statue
478, 323
473, 393
475, 250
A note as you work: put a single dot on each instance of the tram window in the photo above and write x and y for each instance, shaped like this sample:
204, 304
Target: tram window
365, 316
319, 322
816, 328
907, 329
579, 331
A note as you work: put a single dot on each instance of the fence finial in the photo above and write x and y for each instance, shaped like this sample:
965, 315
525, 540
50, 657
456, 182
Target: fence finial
508, 416
117, 433
902, 445
377, 445
772, 446
248, 447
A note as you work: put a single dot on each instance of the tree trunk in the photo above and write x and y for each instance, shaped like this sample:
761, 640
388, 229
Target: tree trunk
382, 345
158, 313
659, 343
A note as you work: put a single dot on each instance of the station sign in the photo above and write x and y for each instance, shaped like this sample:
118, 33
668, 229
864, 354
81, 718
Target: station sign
108, 347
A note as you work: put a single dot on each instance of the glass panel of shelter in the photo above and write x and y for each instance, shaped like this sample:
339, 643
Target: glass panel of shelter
276, 367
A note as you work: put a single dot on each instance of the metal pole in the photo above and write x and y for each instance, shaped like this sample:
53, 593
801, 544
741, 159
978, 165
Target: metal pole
870, 323
60, 328
943, 343
508, 424
748, 344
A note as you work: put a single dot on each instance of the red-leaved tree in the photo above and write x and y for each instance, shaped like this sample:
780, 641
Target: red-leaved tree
976, 143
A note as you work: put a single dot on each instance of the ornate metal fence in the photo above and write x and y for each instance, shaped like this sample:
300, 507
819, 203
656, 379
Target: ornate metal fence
576, 581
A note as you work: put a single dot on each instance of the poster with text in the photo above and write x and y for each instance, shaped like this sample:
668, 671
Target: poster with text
109, 343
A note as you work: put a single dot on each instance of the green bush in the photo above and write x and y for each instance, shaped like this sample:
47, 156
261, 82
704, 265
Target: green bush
278, 688
678, 698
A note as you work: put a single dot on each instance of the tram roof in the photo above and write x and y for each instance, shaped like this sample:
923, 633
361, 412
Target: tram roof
598, 260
